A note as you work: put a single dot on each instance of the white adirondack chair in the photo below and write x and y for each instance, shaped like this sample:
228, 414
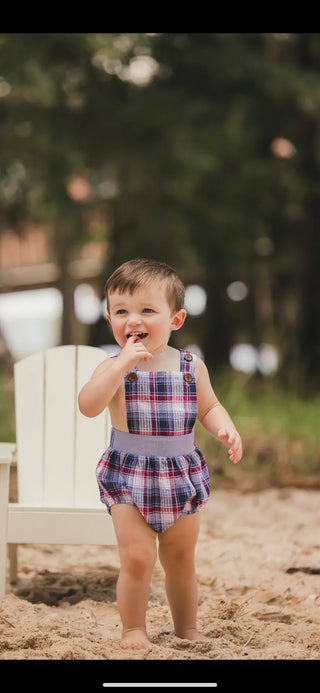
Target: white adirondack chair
57, 449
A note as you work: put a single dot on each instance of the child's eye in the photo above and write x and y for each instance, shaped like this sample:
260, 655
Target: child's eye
148, 310
121, 311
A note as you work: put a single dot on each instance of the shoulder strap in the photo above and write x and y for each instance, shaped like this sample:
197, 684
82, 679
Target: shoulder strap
187, 361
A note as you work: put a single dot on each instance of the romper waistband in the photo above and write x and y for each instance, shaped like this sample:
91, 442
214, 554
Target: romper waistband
160, 446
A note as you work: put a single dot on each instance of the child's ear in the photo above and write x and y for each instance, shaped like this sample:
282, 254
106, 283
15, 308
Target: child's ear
108, 317
178, 319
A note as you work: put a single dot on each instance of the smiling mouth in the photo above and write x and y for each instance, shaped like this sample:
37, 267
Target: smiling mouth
138, 335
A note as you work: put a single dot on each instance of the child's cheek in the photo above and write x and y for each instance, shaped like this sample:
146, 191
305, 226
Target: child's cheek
118, 333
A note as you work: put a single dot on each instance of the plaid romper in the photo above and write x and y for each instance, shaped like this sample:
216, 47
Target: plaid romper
139, 467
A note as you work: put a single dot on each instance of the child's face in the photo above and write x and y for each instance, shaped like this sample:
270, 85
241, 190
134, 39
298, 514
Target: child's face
146, 314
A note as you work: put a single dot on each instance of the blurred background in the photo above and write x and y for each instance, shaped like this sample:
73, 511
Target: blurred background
202, 150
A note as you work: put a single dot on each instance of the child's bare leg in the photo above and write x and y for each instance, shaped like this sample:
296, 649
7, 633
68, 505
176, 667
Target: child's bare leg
176, 553
138, 552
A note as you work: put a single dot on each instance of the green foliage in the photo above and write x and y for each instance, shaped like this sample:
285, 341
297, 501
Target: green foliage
279, 432
7, 423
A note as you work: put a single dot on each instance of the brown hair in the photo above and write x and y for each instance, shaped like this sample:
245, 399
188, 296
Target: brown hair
135, 273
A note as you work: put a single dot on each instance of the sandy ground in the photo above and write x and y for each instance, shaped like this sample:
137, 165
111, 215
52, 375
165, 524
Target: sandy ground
251, 605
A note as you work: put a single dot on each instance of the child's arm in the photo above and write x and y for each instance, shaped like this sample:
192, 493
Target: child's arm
214, 417
97, 394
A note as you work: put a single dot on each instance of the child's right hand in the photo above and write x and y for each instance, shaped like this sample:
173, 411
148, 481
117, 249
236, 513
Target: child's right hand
132, 352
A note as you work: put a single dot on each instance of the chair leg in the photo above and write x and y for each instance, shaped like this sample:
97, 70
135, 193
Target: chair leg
3, 569
13, 563
4, 494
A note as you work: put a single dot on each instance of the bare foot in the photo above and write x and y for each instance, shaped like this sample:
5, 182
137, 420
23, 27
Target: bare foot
134, 639
191, 634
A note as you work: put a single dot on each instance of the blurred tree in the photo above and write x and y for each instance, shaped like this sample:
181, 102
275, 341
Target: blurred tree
199, 149
245, 132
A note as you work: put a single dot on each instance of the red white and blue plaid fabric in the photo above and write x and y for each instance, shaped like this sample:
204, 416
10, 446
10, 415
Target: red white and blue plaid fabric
161, 403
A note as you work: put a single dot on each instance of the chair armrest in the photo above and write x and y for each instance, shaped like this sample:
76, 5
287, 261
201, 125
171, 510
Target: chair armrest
8, 453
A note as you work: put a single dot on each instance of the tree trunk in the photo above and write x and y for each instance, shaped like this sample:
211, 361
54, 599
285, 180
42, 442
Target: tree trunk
66, 285
310, 324
309, 338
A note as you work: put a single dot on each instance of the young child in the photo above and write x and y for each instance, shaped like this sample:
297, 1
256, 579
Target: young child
152, 478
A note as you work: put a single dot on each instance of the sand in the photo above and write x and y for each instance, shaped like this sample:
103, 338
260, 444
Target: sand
258, 565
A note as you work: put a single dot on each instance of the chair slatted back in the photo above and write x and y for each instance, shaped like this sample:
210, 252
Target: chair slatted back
58, 447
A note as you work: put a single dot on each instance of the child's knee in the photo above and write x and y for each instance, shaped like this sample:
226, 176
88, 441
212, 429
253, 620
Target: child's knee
177, 558
139, 559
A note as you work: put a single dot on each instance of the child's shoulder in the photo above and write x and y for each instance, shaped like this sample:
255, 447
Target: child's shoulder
103, 365
196, 361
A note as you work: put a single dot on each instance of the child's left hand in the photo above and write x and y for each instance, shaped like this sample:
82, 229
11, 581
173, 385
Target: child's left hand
231, 438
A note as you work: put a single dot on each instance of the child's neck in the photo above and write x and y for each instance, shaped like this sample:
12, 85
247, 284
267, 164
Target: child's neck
166, 358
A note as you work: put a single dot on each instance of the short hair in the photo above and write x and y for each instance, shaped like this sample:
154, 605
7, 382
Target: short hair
135, 273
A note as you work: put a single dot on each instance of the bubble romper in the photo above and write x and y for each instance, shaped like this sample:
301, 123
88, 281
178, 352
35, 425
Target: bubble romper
156, 466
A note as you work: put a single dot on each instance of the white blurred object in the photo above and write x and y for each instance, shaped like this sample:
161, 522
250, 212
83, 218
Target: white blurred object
195, 299
30, 320
87, 305
111, 349
267, 359
104, 308
237, 291
248, 359
244, 357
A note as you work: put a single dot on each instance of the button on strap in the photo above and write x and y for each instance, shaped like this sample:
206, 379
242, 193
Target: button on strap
132, 376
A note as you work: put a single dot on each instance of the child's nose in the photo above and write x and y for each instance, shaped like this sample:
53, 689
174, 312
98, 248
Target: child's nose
134, 319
